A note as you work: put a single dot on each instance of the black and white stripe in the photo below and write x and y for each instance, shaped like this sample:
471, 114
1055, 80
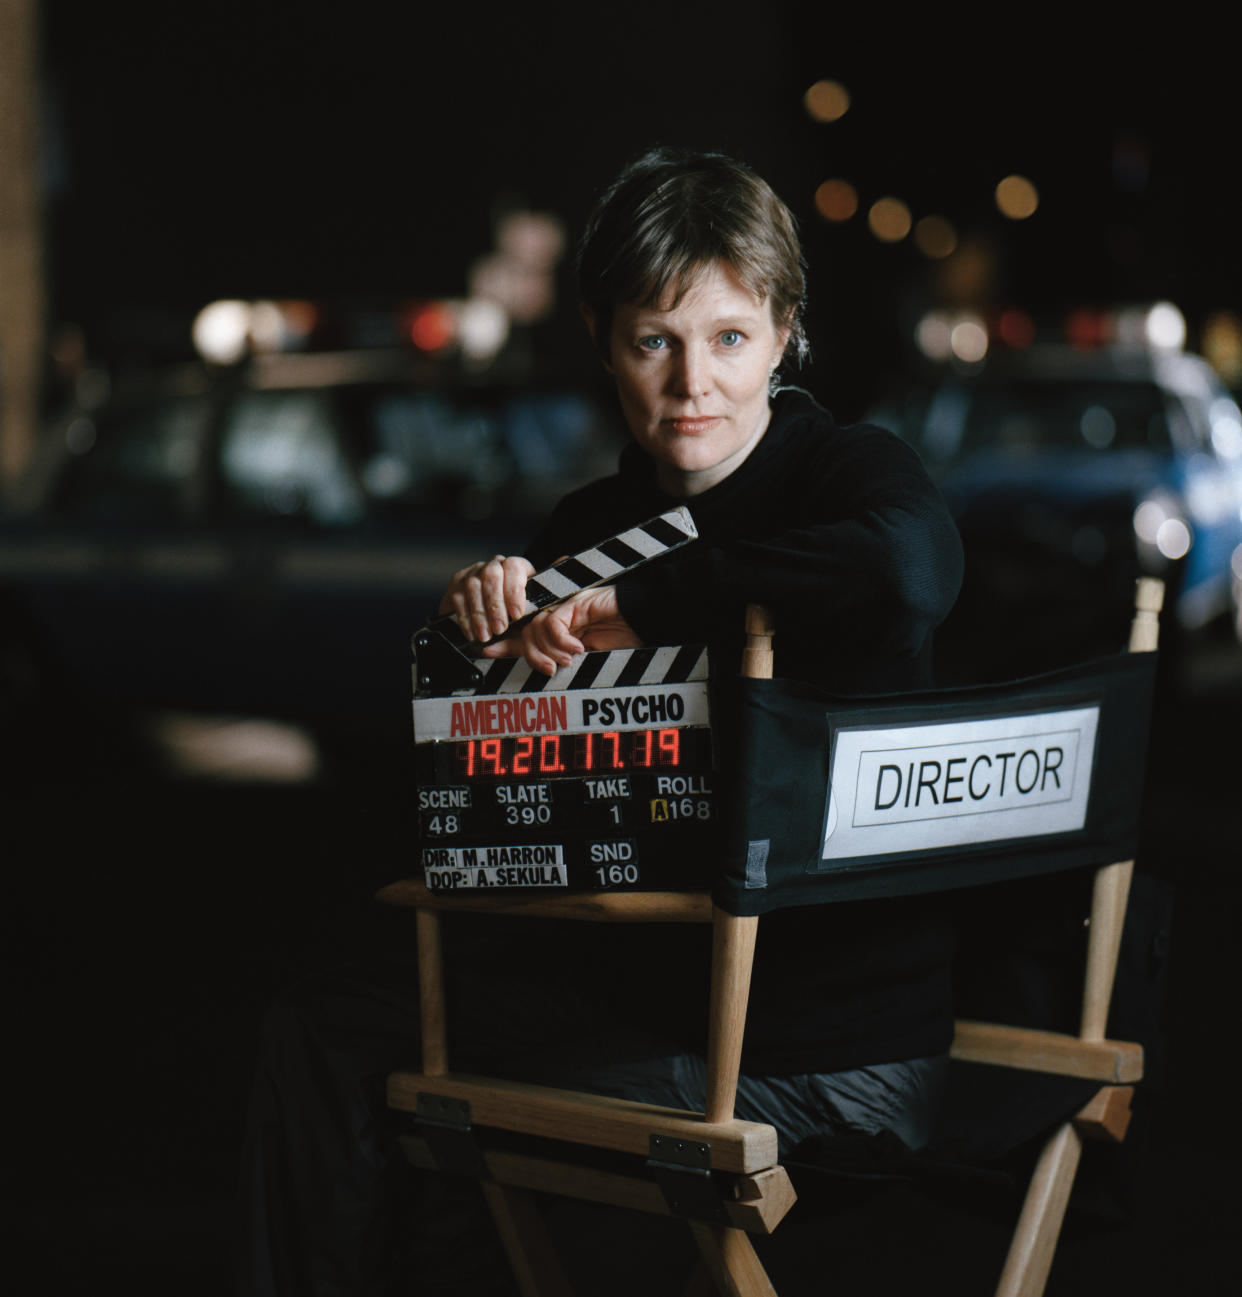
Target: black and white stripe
610, 559
442, 665
616, 668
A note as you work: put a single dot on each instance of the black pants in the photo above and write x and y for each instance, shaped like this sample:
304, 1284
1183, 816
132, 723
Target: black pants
328, 1206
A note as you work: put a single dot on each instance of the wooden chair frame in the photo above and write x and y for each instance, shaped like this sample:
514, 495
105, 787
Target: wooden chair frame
742, 1154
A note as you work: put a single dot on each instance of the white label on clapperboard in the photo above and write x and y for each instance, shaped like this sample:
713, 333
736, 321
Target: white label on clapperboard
525, 865
917, 787
576, 711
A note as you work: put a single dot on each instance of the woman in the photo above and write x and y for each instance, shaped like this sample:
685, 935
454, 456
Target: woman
690, 277
691, 284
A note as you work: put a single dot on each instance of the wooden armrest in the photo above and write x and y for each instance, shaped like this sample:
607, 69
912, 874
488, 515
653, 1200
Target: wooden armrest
1116, 1062
599, 907
763, 1200
596, 1119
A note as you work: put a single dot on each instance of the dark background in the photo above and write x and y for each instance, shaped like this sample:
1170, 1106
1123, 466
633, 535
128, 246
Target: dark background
353, 151
349, 152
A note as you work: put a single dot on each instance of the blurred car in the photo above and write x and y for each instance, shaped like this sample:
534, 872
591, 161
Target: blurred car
261, 540
1070, 474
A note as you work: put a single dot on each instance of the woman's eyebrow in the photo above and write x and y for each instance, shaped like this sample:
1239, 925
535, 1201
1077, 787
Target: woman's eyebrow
658, 324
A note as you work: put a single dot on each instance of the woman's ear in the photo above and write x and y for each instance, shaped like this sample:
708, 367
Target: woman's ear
591, 320
782, 341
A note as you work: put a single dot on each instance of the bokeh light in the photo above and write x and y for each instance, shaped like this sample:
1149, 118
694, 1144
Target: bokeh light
836, 200
1161, 326
1166, 327
935, 237
1017, 198
1015, 329
1221, 344
889, 219
221, 331
943, 336
1158, 523
1173, 538
826, 101
1086, 329
933, 336
969, 341
431, 326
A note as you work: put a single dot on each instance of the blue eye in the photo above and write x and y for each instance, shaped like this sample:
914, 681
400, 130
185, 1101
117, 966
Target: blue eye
652, 343
730, 338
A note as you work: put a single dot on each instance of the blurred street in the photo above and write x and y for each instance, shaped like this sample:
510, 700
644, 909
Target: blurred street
157, 915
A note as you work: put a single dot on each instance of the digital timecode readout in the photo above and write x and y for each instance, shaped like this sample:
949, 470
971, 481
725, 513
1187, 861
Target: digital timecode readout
567, 755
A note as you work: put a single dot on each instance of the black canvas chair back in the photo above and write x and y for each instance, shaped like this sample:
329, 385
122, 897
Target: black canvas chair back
830, 799
839, 799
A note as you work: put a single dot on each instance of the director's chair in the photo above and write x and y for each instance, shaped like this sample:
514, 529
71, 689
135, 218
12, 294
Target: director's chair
815, 826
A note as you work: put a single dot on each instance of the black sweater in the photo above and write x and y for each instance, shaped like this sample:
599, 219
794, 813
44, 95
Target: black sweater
838, 530
840, 533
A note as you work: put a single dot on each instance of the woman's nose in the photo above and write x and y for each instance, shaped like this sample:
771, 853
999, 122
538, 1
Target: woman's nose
692, 376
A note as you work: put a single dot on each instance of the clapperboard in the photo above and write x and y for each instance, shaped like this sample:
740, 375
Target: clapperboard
598, 777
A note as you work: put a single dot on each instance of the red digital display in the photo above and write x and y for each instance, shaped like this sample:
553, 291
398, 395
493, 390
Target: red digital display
545, 755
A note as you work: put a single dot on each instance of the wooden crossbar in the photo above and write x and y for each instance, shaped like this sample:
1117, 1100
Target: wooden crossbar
1112, 1062
592, 1119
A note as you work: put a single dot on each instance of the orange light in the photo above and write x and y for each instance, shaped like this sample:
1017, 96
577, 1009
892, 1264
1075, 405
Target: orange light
826, 101
936, 237
836, 200
1017, 198
889, 219
1222, 346
431, 327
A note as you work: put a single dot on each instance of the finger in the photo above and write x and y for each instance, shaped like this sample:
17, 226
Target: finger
517, 571
536, 655
479, 602
468, 605
460, 598
509, 647
492, 606
453, 589
457, 604
550, 641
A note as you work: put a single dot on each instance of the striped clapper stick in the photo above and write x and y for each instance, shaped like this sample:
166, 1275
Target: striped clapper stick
610, 559
440, 648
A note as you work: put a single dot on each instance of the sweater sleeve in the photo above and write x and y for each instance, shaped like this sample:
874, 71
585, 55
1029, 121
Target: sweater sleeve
854, 539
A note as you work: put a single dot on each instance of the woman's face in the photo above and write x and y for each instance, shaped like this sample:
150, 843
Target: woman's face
693, 378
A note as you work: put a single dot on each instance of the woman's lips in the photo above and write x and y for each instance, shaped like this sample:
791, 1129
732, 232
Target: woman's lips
695, 426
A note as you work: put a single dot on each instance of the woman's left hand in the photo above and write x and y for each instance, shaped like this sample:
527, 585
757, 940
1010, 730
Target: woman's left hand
588, 621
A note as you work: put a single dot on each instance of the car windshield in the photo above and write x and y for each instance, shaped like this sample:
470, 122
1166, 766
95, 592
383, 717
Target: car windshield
1032, 417
334, 456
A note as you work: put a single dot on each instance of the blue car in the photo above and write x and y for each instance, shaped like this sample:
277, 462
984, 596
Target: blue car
1070, 474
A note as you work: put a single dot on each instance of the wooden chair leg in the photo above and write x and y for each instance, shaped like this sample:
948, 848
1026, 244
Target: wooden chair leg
1035, 1239
532, 1257
731, 1261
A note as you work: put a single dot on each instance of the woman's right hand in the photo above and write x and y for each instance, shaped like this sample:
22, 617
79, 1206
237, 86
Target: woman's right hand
485, 597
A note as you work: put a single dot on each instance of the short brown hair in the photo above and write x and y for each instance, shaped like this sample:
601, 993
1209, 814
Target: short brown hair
673, 212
